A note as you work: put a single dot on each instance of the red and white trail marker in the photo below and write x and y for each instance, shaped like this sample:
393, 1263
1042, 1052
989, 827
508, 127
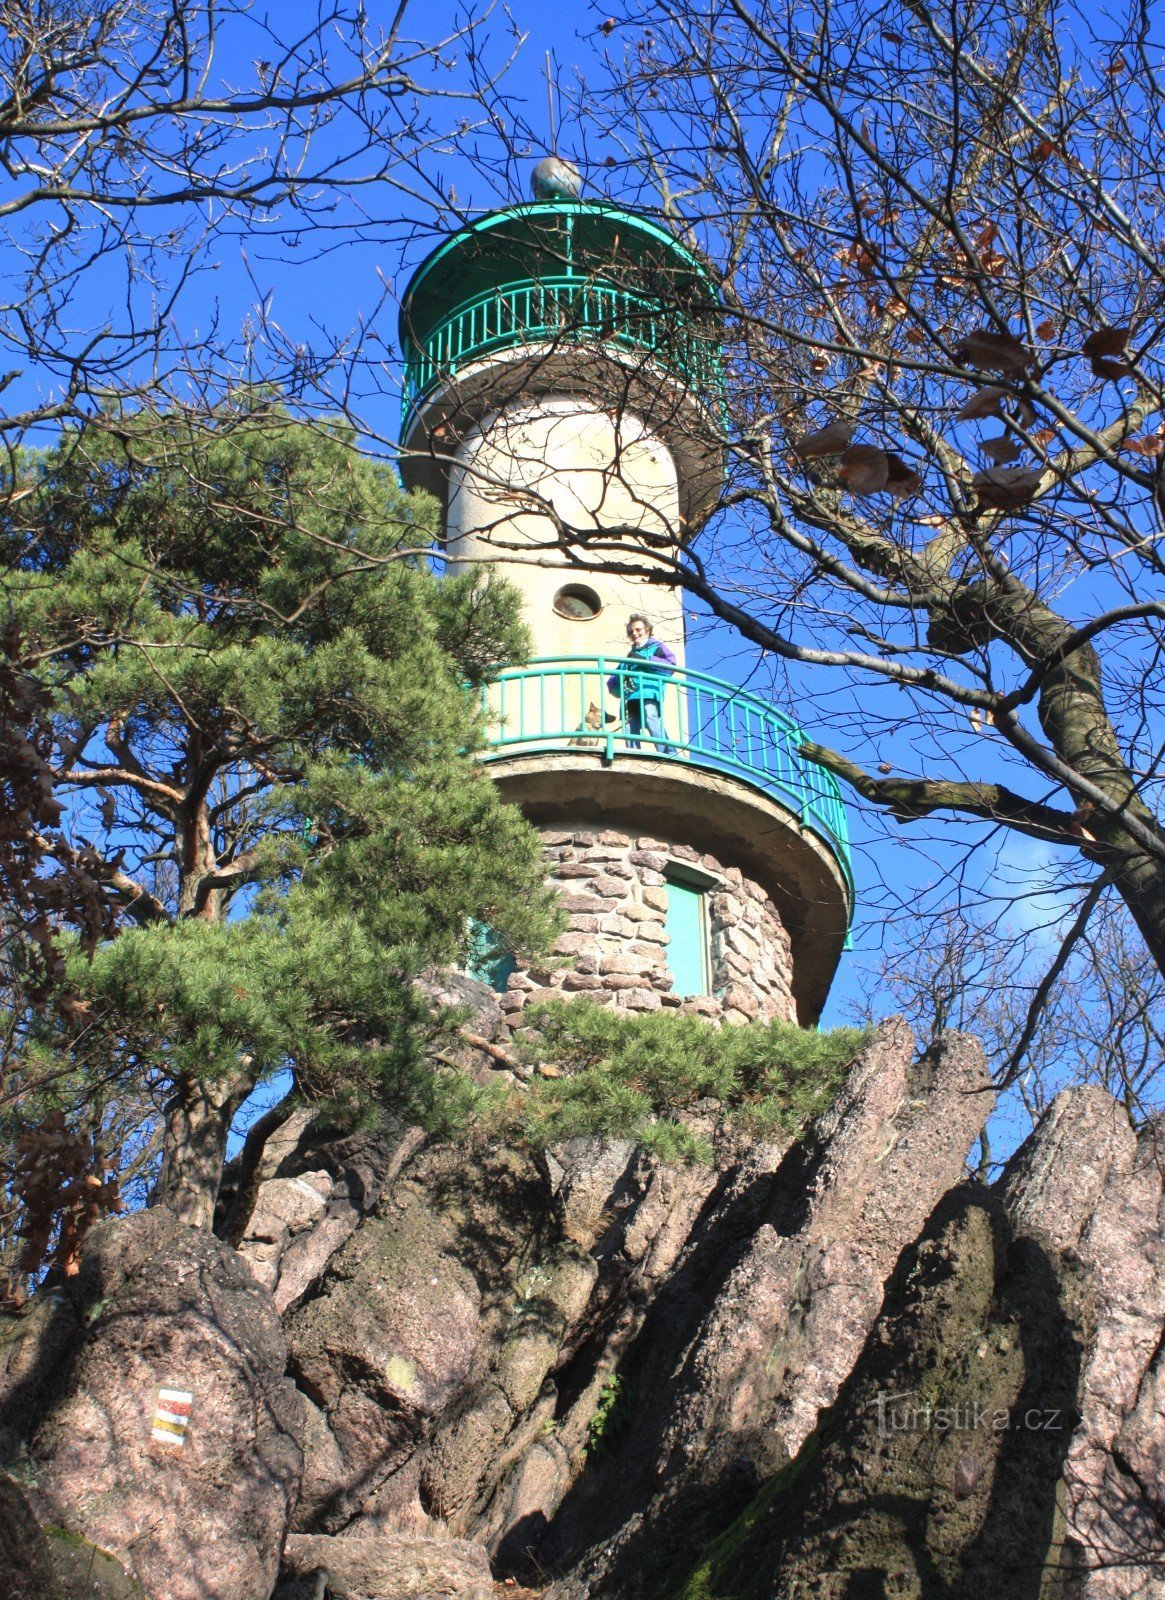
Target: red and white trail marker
171, 1416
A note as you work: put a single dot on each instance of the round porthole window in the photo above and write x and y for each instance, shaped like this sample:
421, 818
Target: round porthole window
578, 602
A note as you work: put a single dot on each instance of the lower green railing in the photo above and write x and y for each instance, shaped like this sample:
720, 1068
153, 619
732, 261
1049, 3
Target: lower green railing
596, 704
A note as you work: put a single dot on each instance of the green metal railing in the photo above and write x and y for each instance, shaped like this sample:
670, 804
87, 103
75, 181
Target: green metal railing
572, 309
582, 703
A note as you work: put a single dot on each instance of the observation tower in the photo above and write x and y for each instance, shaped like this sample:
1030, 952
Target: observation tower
563, 400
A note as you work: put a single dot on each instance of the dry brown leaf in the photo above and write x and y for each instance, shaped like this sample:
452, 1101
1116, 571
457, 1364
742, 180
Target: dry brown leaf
1043, 436
1001, 449
819, 364
828, 441
864, 469
1149, 444
1006, 488
1042, 150
994, 352
1106, 342
1102, 367
901, 478
984, 402
1046, 329
915, 336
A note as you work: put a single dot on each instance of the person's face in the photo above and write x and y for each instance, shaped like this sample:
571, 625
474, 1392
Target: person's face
638, 633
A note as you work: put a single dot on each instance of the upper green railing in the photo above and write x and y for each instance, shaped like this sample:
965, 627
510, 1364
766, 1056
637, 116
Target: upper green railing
587, 703
567, 309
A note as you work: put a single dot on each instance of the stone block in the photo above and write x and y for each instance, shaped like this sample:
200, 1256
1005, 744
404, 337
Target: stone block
571, 944
549, 840
740, 997
615, 981
624, 961
640, 1000
576, 981
648, 858
584, 840
702, 1005
541, 997
742, 940
656, 898
674, 1001
577, 869
619, 869
585, 902
613, 836
652, 933
646, 843
581, 924
683, 852
615, 888
650, 953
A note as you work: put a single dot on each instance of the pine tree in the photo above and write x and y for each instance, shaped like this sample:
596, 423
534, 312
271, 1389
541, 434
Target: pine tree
263, 718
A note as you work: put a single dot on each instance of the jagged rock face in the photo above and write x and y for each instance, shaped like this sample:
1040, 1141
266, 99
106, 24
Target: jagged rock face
936, 1472
1093, 1192
24, 1552
770, 1307
648, 1379
1002, 1430
388, 1567
458, 1350
161, 1305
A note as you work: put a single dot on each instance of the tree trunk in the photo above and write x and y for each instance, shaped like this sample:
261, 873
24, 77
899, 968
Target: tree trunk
198, 1120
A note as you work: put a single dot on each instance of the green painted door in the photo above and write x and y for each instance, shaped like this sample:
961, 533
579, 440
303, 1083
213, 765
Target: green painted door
687, 951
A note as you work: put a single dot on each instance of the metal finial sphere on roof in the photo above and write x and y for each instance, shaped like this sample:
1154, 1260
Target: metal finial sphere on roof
555, 179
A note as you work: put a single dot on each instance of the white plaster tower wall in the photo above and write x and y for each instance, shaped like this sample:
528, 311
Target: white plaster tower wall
535, 464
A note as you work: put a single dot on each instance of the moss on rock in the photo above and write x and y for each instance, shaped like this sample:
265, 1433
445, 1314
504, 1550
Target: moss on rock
936, 1472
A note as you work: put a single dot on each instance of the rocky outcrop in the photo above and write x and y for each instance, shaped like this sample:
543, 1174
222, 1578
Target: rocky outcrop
936, 1472
822, 1365
1001, 1431
160, 1305
771, 1306
1093, 1192
386, 1567
25, 1561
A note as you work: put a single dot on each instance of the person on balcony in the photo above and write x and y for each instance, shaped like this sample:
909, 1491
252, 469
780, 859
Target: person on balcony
640, 683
